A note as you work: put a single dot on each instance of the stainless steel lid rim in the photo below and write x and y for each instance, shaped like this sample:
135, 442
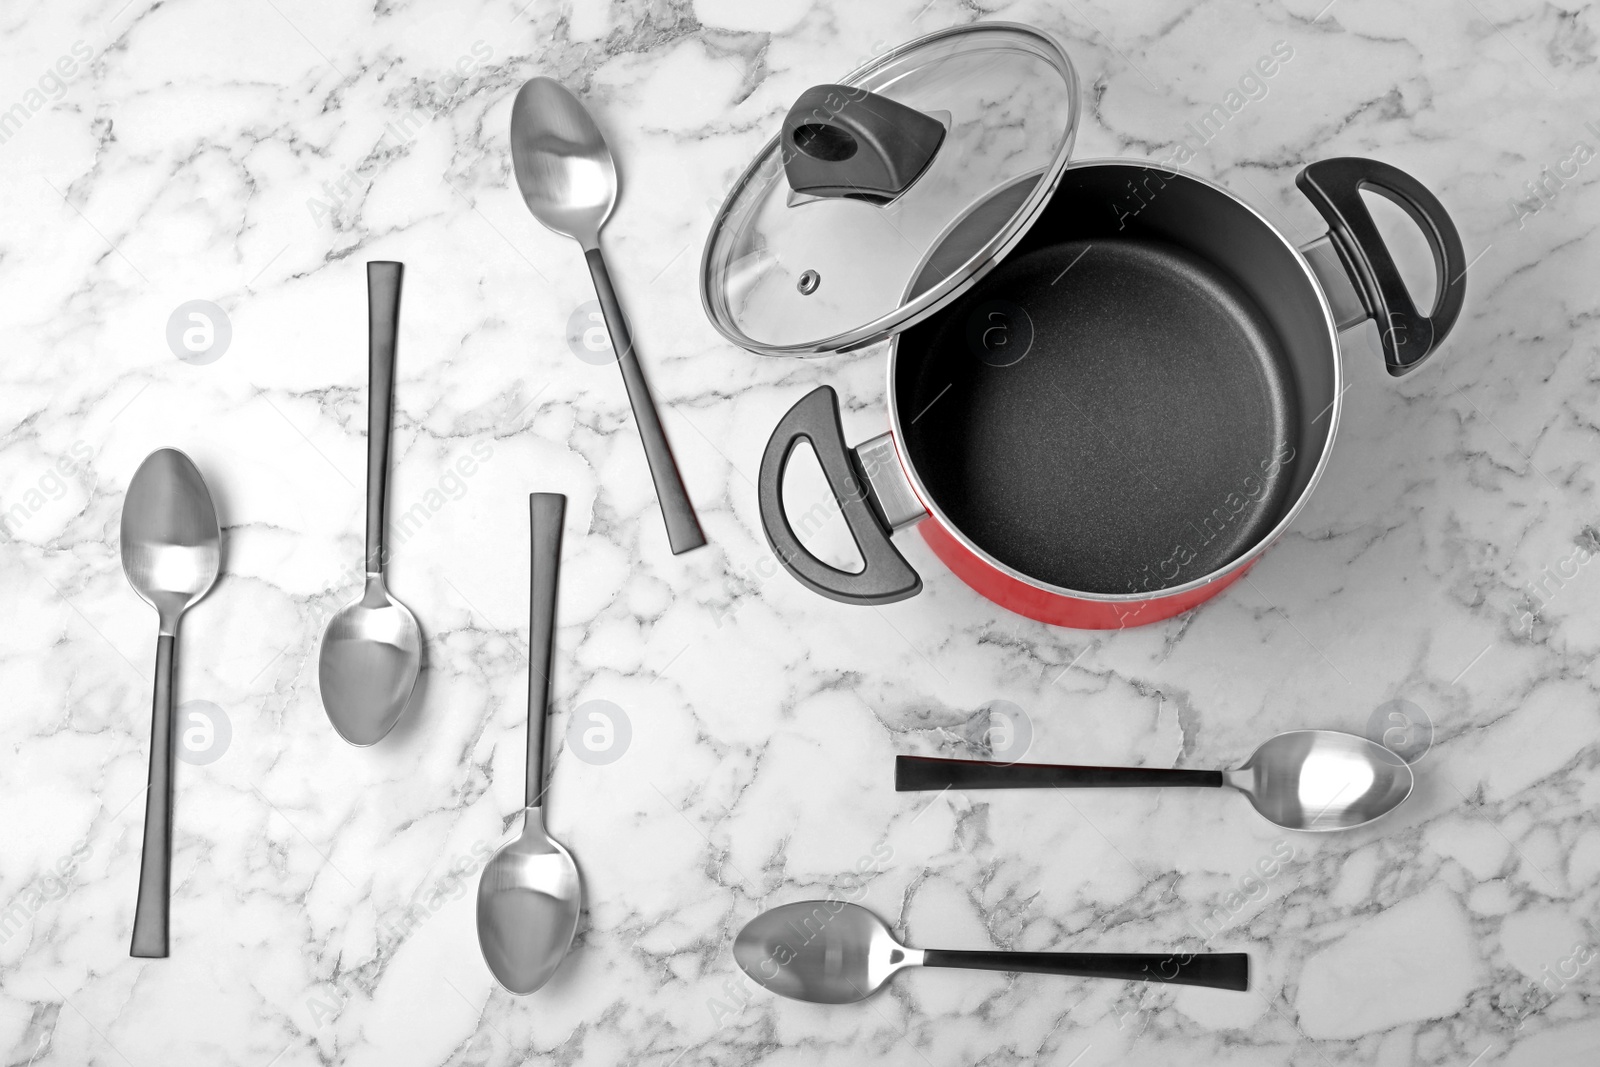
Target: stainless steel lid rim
724, 249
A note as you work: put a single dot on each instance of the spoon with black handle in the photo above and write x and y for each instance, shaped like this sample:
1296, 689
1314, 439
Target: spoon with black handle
371, 653
530, 894
569, 181
1301, 780
832, 952
171, 551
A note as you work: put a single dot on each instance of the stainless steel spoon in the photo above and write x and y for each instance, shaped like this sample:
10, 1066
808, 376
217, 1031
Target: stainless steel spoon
171, 550
529, 894
1301, 780
372, 650
569, 182
831, 952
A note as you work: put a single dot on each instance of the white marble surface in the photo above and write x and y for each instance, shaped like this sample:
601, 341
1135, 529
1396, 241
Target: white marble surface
256, 153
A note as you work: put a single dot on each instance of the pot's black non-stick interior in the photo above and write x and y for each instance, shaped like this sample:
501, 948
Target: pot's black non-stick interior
1110, 410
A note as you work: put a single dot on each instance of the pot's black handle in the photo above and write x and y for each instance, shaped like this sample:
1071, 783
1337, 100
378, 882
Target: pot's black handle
887, 577
843, 141
1334, 188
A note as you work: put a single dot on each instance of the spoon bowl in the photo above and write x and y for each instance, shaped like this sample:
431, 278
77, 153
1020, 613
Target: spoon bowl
825, 952
529, 897
1323, 780
368, 665
564, 170
171, 542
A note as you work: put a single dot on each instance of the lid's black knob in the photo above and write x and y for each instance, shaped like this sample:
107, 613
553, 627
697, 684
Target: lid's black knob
840, 140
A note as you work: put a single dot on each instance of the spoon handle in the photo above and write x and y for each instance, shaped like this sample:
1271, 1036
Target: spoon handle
1215, 970
683, 528
155, 860
912, 773
545, 512
383, 327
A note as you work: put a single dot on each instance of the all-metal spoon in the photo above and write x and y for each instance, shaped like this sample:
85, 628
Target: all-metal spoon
569, 182
831, 952
171, 550
529, 894
372, 650
1301, 780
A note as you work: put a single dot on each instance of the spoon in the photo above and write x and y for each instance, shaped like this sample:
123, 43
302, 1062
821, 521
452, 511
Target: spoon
372, 650
1301, 780
831, 952
569, 182
171, 550
529, 894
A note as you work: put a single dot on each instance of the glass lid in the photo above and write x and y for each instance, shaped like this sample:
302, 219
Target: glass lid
888, 193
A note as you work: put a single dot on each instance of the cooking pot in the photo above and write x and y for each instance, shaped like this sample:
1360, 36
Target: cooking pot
1112, 384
